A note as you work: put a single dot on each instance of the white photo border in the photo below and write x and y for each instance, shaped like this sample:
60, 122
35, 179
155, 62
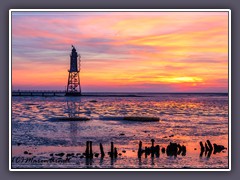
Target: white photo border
120, 10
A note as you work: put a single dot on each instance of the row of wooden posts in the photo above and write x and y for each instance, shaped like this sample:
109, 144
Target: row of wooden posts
208, 148
173, 149
89, 153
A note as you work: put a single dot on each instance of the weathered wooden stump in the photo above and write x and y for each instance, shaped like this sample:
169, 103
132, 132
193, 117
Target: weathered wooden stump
115, 152
146, 151
163, 150
90, 153
202, 148
184, 150
152, 148
87, 150
218, 148
157, 150
209, 145
112, 149
102, 151
179, 149
140, 149
206, 147
174, 149
201, 145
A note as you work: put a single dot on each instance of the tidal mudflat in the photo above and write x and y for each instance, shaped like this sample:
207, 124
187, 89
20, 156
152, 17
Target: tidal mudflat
41, 140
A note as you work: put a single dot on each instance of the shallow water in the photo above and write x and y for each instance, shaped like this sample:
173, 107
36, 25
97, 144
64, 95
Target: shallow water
186, 118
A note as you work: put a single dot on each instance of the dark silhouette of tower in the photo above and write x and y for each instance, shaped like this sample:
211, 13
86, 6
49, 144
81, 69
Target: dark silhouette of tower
73, 86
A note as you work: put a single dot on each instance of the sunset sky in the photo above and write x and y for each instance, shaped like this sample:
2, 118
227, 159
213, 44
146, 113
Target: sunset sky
122, 51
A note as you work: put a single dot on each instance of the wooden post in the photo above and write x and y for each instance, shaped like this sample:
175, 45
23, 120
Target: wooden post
111, 154
209, 145
206, 147
152, 148
202, 148
91, 153
201, 145
168, 150
209, 154
157, 150
140, 149
163, 150
184, 150
152, 140
174, 148
115, 152
179, 149
210, 149
218, 148
102, 151
87, 149
146, 153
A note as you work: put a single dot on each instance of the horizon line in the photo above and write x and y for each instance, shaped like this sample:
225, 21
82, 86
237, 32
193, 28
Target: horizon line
14, 90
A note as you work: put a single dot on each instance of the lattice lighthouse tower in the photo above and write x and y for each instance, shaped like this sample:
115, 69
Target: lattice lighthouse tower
73, 86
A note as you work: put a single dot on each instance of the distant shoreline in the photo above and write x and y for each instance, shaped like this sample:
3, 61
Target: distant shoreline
49, 93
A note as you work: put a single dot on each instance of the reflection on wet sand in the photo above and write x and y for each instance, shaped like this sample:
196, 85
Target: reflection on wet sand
72, 109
